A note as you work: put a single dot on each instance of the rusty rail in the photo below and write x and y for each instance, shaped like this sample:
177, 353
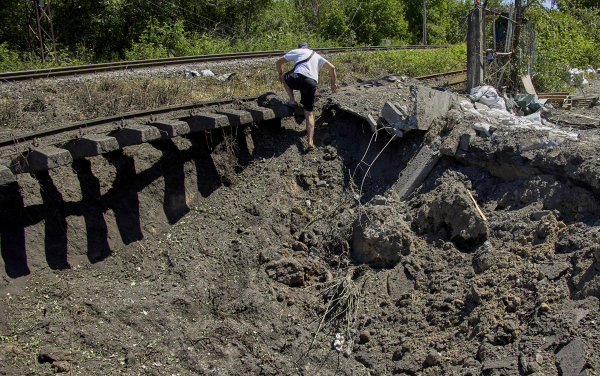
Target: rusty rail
140, 64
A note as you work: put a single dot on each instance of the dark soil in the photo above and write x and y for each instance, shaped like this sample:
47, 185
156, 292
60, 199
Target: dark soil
237, 252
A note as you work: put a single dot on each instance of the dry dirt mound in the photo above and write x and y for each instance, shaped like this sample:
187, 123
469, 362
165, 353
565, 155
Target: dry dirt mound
276, 263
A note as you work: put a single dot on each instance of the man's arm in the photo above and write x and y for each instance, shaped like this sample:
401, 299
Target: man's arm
331, 68
279, 66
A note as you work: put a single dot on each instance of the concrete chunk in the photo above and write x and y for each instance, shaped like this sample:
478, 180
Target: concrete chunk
391, 114
171, 128
137, 134
431, 104
414, 174
6, 176
204, 121
261, 113
44, 158
571, 358
91, 145
372, 123
237, 117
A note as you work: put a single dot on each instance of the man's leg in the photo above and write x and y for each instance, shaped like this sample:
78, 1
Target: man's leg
289, 92
310, 126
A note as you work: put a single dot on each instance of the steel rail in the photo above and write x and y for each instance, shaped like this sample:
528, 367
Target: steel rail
445, 74
138, 64
87, 124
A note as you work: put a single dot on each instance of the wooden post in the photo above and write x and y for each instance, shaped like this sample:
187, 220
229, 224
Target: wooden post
515, 74
475, 53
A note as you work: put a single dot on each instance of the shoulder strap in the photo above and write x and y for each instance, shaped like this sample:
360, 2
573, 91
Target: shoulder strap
304, 61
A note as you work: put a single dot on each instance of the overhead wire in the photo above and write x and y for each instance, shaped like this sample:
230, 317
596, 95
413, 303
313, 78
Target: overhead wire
193, 23
199, 15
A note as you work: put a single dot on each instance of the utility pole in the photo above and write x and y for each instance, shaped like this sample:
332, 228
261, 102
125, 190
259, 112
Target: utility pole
424, 23
39, 28
475, 53
516, 48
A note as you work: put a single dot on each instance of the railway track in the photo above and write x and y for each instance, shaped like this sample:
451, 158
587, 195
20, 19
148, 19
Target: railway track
89, 124
116, 120
101, 135
450, 79
140, 64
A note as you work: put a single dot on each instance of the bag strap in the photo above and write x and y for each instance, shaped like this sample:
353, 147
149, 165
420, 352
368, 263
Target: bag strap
304, 61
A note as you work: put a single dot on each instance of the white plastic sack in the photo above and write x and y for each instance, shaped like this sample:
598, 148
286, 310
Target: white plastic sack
483, 127
207, 73
578, 77
189, 74
488, 96
224, 77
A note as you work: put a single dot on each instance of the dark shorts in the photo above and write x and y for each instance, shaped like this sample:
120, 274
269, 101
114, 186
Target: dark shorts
306, 86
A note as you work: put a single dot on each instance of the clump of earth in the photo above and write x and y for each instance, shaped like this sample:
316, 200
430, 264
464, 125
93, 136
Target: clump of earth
290, 262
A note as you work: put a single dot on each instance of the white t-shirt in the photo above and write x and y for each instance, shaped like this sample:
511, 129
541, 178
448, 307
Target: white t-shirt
309, 69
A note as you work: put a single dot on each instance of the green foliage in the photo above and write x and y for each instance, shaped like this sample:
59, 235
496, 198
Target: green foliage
411, 63
566, 39
9, 60
364, 22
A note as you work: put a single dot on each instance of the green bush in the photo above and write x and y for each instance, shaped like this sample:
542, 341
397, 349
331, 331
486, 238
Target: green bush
405, 62
9, 60
566, 39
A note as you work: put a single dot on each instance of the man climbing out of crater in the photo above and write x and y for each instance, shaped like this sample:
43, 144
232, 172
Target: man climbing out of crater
305, 77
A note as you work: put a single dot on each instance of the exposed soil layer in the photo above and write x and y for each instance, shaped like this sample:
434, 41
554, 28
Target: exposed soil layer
277, 263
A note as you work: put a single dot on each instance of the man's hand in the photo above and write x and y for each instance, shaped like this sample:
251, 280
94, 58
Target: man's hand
332, 74
281, 78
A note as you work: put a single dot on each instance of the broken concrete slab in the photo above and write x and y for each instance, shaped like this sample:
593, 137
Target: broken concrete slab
372, 123
171, 128
90, 145
414, 174
204, 121
260, 113
42, 159
417, 109
430, 105
6, 175
237, 117
136, 134
391, 113
571, 358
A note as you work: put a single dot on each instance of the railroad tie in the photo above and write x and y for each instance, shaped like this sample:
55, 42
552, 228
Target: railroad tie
90, 145
6, 175
136, 134
204, 121
260, 113
237, 117
171, 128
42, 159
